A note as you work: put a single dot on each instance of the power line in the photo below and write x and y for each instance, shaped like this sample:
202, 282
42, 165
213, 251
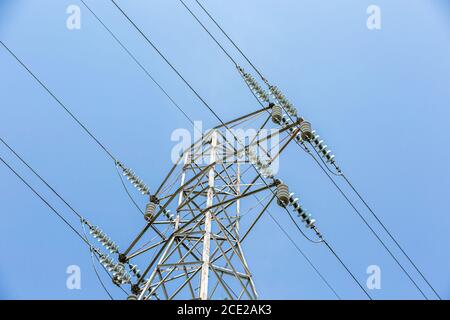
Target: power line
60, 103
177, 72
93, 256
180, 76
140, 65
64, 107
226, 52
71, 114
128, 193
373, 214
343, 264
92, 249
168, 62
300, 230
345, 178
97, 274
229, 38
341, 174
370, 227
84, 239
332, 251
174, 69
304, 255
229, 56
46, 203
41, 178
110, 155
391, 236
283, 230
83, 126
210, 34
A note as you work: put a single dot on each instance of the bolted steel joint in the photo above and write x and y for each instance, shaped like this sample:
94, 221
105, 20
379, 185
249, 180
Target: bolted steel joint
135, 289
122, 258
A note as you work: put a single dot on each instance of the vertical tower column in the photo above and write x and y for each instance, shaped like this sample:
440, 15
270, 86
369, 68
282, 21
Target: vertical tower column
207, 235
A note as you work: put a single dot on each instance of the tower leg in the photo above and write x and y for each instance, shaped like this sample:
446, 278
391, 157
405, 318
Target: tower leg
207, 236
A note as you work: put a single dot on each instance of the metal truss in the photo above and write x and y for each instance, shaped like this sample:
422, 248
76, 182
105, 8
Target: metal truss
196, 252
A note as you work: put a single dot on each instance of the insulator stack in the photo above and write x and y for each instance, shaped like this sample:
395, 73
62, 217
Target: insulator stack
305, 216
323, 149
284, 199
107, 262
262, 167
282, 194
134, 179
284, 102
169, 214
134, 269
253, 84
132, 297
285, 121
103, 239
150, 211
277, 113
120, 275
305, 129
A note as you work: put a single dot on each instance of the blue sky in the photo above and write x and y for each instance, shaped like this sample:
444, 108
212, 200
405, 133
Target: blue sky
380, 99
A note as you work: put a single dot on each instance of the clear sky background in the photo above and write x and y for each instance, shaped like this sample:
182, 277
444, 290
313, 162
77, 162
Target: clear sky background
379, 98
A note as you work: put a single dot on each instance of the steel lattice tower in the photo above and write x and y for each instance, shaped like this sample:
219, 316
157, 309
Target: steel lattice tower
205, 250
196, 251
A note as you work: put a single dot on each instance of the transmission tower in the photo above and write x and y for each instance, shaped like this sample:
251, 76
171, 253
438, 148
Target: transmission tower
196, 251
